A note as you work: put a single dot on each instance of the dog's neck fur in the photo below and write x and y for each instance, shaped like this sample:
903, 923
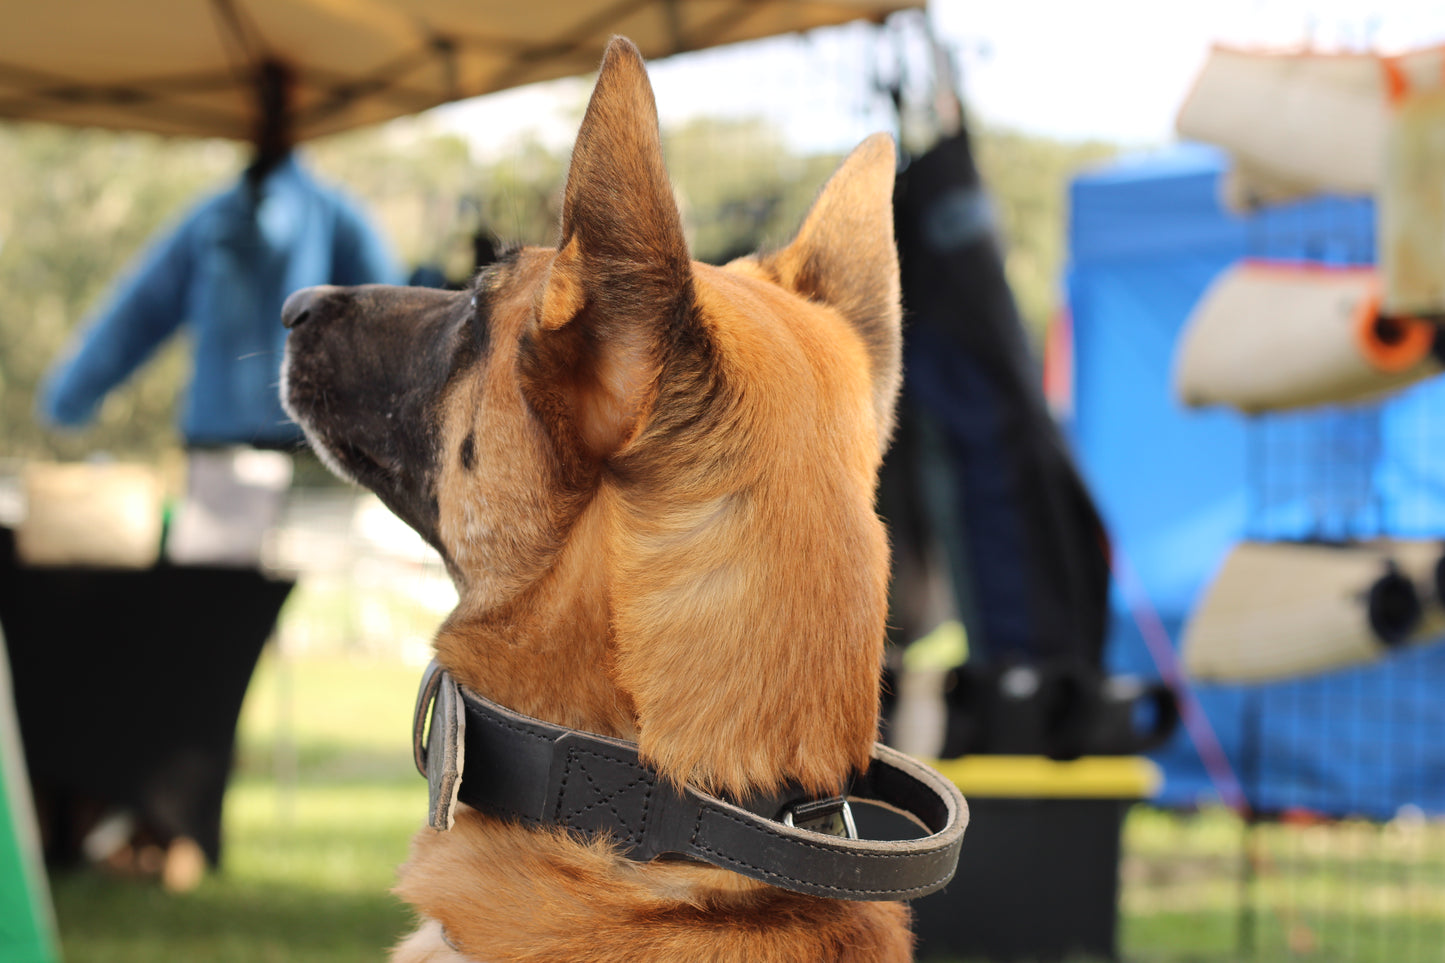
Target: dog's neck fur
545, 897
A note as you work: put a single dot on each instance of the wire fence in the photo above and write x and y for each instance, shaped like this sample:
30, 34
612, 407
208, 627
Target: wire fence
1210, 886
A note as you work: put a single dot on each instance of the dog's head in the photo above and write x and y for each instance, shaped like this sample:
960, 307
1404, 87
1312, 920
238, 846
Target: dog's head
652, 480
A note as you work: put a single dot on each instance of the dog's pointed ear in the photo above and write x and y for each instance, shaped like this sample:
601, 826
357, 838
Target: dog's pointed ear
622, 274
844, 256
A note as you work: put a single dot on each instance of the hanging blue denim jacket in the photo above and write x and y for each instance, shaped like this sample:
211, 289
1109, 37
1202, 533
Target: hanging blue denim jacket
224, 272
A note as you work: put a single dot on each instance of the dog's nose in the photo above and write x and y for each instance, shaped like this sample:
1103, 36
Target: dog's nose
299, 305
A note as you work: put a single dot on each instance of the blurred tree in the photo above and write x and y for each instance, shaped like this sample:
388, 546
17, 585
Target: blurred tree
77, 206
739, 185
1028, 179
419, 187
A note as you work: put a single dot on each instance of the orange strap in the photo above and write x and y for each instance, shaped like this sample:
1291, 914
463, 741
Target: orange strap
1391, 344
1397, 84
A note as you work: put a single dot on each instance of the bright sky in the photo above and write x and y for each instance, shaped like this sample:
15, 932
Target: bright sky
1119, 69
1114, 70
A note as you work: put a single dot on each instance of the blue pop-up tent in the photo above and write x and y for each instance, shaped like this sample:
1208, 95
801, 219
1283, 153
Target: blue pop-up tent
1178, 488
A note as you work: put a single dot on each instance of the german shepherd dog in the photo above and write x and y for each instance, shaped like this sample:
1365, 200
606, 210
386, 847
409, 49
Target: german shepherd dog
652, 481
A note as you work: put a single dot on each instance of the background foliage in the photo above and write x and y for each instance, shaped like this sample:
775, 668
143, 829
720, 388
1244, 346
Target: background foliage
77, 206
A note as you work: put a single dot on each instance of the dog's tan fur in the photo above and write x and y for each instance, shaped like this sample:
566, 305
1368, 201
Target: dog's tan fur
655, 489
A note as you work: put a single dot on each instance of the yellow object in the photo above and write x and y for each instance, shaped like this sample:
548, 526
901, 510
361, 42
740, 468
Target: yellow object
943, 648
1038, 777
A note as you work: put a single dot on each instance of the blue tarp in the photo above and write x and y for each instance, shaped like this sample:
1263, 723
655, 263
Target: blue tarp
1178, 488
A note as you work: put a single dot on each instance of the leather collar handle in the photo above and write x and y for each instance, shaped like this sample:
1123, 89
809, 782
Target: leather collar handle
547, 775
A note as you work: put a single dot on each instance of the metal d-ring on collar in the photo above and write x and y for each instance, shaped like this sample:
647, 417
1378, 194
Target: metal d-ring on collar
537, 773
441, 754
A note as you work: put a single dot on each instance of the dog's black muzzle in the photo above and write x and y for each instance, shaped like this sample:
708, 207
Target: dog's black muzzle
365, 372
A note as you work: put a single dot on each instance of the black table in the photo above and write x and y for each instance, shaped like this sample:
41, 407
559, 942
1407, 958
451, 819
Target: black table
128, 686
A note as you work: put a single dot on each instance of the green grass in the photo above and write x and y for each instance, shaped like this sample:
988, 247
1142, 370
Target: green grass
318, 817
1337, 892
306, 885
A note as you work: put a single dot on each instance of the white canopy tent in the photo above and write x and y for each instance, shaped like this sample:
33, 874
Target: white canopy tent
191, 67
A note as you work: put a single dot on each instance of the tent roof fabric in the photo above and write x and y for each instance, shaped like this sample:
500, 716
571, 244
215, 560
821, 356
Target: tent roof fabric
187, 66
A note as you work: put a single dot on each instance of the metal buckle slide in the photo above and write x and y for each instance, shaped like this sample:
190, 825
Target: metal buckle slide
832, 817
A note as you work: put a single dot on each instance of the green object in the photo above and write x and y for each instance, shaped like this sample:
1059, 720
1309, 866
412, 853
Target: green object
943, 648
27, 924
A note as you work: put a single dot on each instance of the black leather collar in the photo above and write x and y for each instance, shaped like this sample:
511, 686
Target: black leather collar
509, 765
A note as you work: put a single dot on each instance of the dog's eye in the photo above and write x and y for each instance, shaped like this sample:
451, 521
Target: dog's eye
477, 323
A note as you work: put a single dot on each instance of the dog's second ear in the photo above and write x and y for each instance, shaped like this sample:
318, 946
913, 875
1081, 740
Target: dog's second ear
622, 273
844, 256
